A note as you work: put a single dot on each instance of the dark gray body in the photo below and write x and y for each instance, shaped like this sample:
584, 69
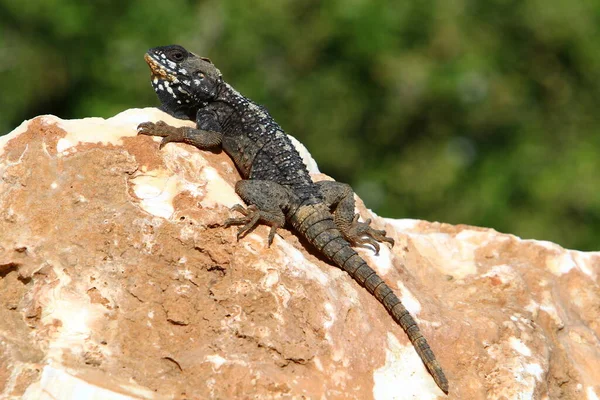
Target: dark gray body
259, 147
276, 186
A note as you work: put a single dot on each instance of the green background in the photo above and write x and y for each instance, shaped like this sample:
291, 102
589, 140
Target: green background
473, 112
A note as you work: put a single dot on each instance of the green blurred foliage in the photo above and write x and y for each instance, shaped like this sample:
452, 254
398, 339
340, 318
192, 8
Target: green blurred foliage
461, 111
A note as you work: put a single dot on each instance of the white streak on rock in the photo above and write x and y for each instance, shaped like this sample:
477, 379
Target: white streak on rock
298, 265
548, 307
504, 272
216, 360
382, 263
584, 260
328, 323
308, 160
156, 193
560, 265
218, 191
401, 365
520, 347
535, 370
402, 225
63, 144
409, 300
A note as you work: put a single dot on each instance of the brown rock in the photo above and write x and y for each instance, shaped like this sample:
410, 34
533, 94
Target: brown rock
116, 281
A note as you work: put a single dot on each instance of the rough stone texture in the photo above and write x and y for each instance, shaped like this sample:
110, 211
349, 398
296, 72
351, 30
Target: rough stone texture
117, 282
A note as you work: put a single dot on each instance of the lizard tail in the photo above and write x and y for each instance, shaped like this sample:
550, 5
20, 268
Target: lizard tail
318, 227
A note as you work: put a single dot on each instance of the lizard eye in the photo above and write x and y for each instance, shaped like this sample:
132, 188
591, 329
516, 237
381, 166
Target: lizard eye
176, 55
200, 75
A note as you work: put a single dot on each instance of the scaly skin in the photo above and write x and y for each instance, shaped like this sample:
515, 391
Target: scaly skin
276, 185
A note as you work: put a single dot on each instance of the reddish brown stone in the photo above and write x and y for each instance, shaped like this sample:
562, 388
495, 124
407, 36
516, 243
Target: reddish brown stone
116, 278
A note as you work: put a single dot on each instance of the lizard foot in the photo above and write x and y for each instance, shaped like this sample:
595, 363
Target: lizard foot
361, 234
252, 216
167, 132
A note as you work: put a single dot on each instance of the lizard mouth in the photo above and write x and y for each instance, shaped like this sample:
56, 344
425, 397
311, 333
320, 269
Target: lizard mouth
157, 70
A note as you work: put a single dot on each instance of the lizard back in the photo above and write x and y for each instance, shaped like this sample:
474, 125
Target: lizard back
261, 149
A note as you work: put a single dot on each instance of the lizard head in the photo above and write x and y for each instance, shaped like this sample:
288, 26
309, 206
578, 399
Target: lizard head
183, 81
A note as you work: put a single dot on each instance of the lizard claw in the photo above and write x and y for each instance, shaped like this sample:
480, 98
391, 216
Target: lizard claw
165, 140
159, 128
162, 129
361, 234
252, 216
249, 220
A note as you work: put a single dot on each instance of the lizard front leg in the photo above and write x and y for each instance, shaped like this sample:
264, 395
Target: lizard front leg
339, 197
266, 201
202, 139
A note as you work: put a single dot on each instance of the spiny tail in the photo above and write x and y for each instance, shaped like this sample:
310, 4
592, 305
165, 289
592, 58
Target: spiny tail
316, 225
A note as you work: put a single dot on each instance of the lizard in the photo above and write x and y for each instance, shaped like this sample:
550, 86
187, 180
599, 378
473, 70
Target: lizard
276, 184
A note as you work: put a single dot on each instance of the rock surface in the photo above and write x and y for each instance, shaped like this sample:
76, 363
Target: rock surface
117, 282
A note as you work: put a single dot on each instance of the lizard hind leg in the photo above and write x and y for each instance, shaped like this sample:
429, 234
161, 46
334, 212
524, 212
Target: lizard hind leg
340, 199
266, 201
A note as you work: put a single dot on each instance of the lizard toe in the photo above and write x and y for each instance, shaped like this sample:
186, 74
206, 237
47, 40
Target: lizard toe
159, 128
360, 234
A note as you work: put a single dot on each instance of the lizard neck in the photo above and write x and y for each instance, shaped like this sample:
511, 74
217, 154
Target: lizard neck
237, 101
228, 95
